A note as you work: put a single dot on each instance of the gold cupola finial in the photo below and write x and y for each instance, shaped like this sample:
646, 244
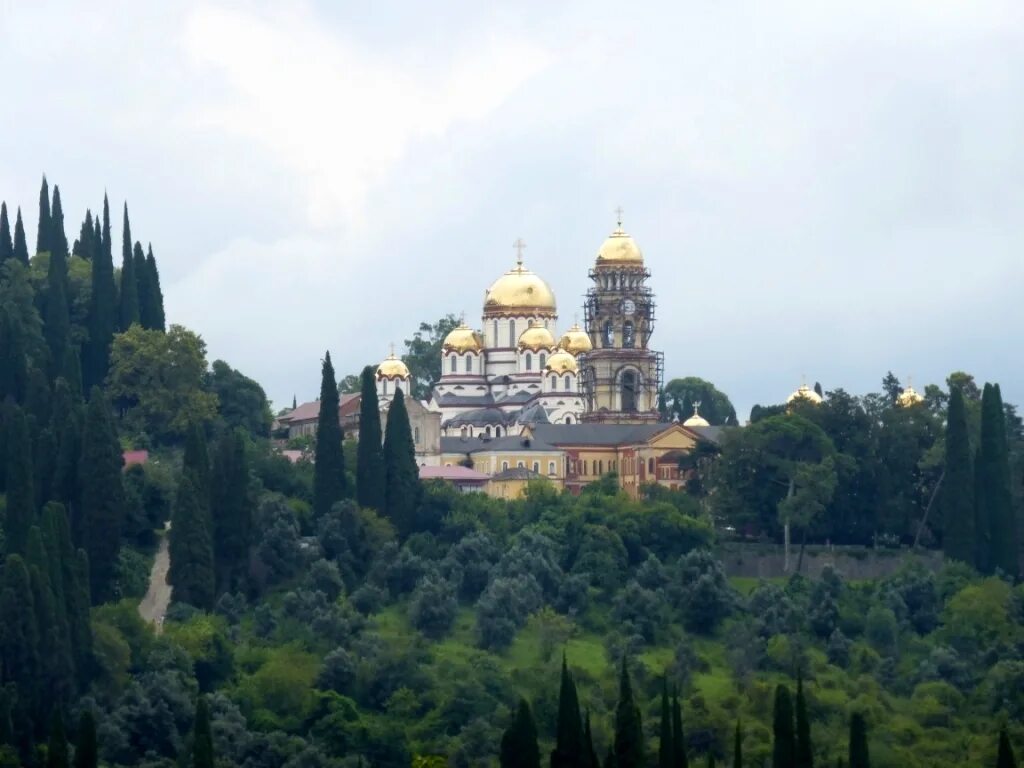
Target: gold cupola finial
519, 245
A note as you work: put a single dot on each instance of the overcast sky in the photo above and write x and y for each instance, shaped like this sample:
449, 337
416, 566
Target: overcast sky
822, 189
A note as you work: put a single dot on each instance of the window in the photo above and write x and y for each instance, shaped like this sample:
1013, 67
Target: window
600, 467
650, 466
487, 431
543, 359
462, 432
497, 431
628, 391
627, 334
609, 334
551, 467
554, 382
568, 419
495, 342
455, 363
536, 467
469, 363
568, 383
529, 361
512, 333
416, 435
520, 465
385, 383
504, 466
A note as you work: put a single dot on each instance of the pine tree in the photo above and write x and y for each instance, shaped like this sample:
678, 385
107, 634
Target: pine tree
230, 511
783, 741
958, 484
191, 549
102, 495
202, 737
43, 232
158, 318
629, 732
1005, 758
6, 243
589, 757
804, 751
519, 743
679, 759
86, 753
329, 461
858, 754
103, 309
129, 296
370, 471
995, 454
20, 245
21, 499
569, 747
665, 743
401, 474
58, 237
57, 746
737, 747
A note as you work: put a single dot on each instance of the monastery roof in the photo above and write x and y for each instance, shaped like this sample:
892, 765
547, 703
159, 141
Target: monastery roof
479, 416
612, 434
311, 410
517, 473
506, 444
454, 474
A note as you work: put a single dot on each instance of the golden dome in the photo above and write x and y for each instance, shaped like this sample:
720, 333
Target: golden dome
519, 292
562, 362
575, 340
696, 420
909, 397
619, 250
392, 368
462, 339
806, 394
536, 337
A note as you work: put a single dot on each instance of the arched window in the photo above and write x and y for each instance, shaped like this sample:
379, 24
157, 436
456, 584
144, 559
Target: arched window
504, 466
629, 391
628, 336
471, 431
568, 382
600, 467
462, 432
609, 334
536, 467
650, 467
511, 333
568, 419
551, 467
416, 435
543, 360
487, 431
529, 361
495, 342
497, 431
385, 385
455, 364
554, 382
469, 363
520, 465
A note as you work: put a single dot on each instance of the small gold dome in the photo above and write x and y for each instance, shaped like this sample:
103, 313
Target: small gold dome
806, 394
909, 397
562, 362
619, 250
575, 340
462, 339
392, 368
696, 420
536, 337
519, 292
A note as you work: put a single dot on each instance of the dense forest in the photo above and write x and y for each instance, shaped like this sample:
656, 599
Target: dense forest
338, 612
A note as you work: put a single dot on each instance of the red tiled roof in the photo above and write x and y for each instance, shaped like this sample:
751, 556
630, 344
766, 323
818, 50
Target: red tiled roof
311, 411
135, 457
456, 474
293, 456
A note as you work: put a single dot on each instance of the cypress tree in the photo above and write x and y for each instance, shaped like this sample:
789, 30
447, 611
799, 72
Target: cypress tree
783, 741
129, 296
20, 245
804, 751
370, 471
329, 466
21, 500
19, 646
71, 371
665, 742
202, 737
995, 454
1005, 758
76, 585
102, 495
58, 237
158, 318
589, 757
230, 511
711, 760
982, 533
401, 474
67, 426
142, 285
54, 527
57, 320
196, 460
519, 743
191, 549
679, 759
103, 309
55, 658
737, 747
569, 747
57, 746
858, 754
86, 753
629, 732
43, 232
6, 243
958, 484
84, 246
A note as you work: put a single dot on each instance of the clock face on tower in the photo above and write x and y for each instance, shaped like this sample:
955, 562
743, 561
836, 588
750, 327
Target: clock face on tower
628, 307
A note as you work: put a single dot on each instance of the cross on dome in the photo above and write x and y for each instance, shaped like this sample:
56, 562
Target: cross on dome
618, 216
519, 245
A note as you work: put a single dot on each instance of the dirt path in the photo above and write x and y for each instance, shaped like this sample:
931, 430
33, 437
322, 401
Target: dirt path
158, 596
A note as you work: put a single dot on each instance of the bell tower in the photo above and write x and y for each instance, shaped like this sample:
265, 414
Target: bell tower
621, 375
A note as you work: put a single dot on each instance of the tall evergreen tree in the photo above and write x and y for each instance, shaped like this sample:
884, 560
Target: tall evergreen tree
86, 752
804, 749
129, 295
21, 499
858, 753
54, 528
19, 647
102, 495
1005, 758
711, 760
58, 236
57, 746
629, 732
57, 325
982, 532
783, 740
679, 759
196, 460
6, 242
665, 744
103, 309
84, 246
569, 748
78, 602
519, 743
589, 757
44, 230
142, 286
202, 737
158, 318
20, 245
737, 747
958, 484
54, 653
230, 509
370, 471
401, 474
329, 466
996, 478
191, 549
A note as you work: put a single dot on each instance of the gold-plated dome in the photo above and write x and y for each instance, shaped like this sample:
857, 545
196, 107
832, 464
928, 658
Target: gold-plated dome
619, 250
519, 292
462, 339
696, 420
536, 337
392, 368
575, 340
562, 362
806, 394
909, 397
